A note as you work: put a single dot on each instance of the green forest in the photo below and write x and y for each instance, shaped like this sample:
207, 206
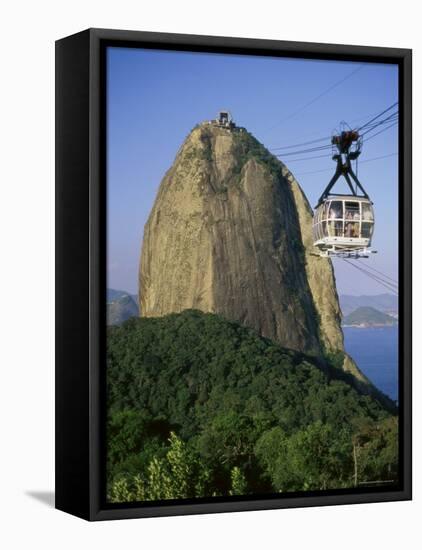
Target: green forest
199, 406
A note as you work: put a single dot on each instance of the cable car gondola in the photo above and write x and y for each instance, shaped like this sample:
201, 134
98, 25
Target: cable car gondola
343, 225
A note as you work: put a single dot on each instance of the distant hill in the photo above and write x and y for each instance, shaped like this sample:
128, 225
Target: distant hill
121, 308
387, 303
368, 316
113, 294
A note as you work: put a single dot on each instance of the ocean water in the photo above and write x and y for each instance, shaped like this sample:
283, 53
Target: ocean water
375, 351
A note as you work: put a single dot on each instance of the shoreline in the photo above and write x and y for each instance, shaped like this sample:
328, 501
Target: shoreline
363, 326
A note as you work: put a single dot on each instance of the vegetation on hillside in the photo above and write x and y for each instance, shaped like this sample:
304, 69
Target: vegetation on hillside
246, 147
200, 406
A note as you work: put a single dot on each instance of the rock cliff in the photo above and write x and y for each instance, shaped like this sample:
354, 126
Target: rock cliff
230, 232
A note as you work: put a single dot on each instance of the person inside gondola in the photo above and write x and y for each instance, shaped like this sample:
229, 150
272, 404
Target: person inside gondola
335, 210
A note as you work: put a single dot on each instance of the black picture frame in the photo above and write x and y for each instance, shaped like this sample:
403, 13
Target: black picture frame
80, 270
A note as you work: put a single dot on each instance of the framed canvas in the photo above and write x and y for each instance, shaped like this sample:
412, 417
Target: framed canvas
233, 274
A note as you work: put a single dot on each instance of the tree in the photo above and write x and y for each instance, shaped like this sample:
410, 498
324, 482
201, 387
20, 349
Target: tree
315, 458
375, 451
180, 468
159, 483
319, 457
238, 482
127, 490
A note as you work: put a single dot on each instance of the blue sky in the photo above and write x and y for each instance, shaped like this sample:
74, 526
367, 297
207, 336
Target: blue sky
155, 98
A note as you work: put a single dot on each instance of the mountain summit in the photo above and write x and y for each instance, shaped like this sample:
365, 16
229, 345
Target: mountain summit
230, 232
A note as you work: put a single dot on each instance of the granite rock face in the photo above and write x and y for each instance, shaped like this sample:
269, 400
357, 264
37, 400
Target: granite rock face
230, 232
224, 237
321, 279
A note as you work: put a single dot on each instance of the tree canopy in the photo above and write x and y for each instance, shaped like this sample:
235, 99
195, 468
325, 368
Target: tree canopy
201, 406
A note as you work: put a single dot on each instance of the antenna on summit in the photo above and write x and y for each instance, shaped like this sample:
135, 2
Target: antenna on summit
224, 120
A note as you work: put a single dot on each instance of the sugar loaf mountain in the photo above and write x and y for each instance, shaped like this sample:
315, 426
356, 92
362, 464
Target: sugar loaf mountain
236, 367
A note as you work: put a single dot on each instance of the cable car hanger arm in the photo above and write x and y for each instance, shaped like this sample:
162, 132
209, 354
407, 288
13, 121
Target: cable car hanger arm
349, 183
356, 180
346, 171
332, 182
343, 143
